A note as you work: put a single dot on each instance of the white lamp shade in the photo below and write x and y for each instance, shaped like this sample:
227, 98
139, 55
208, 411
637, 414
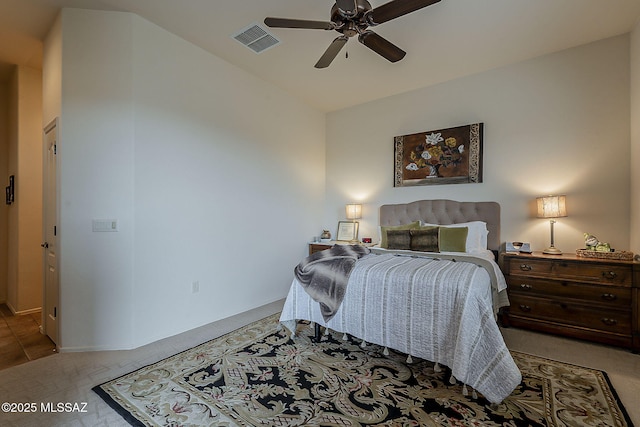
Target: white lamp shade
354, 211
552, 206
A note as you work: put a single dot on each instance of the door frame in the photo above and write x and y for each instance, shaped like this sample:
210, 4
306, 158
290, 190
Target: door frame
53, 126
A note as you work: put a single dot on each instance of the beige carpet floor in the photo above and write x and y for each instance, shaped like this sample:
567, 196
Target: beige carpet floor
69, 377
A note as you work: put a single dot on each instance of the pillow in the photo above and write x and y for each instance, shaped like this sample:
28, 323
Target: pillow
398, 239
386, 228
453, 239
425, 239
476, 236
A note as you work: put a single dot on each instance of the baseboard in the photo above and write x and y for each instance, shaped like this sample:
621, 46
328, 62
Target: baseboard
10, 307
22, 312
247, 316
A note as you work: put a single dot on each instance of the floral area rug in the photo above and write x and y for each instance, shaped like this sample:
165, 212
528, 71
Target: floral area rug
258, 376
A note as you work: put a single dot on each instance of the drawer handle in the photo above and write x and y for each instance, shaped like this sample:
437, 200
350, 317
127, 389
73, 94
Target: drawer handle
525, 286
609, 322
609, 275
525, 267
525, 307
609, 297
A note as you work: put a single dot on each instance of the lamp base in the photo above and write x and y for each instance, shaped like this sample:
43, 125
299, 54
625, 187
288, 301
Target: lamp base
552, 251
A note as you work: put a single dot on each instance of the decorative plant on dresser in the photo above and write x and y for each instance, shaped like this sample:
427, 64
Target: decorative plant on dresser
586, 298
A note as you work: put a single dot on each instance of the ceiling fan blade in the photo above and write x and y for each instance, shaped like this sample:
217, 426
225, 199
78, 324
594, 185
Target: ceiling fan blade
381, 46
298, 23
347, 8
332, 51
396, 8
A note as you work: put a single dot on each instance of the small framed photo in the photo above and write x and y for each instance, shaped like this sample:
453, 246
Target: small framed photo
347, 231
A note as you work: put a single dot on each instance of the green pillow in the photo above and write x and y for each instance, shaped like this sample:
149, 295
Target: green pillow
399, 239
384, 229
453, 239
425, 239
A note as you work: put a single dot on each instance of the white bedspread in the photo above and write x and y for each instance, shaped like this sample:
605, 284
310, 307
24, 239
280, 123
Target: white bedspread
435, 309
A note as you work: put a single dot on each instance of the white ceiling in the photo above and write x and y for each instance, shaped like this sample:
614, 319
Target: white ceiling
447, 40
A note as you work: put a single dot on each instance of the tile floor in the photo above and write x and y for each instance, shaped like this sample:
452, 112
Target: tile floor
20, 338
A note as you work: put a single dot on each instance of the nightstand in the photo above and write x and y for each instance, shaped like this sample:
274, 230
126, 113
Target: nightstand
317, 247
586, 298
321, 246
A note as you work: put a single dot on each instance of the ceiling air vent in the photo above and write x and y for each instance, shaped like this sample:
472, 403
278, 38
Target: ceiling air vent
256, 38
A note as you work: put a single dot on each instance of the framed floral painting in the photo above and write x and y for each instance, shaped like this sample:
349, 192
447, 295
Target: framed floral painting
443, 156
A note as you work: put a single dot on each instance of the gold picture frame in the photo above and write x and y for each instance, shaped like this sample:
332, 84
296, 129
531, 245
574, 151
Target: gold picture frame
347, 231
442, 156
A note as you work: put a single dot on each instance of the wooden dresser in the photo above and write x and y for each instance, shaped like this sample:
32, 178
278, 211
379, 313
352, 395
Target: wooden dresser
578, 297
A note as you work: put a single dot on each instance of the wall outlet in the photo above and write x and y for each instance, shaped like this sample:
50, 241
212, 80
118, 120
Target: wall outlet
195, 287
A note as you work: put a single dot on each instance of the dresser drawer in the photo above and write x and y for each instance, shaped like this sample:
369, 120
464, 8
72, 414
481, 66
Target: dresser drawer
317, 247
568, 313
611, 296
591, 272
529, 267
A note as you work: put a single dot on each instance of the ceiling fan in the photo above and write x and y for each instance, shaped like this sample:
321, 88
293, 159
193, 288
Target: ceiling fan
354, 17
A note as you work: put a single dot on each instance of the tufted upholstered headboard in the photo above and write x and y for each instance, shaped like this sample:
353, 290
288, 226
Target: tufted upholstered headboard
446, 212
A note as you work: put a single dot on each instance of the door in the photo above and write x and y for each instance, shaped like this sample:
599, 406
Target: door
51, 291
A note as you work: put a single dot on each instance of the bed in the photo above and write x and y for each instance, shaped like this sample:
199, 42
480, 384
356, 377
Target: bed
440, 307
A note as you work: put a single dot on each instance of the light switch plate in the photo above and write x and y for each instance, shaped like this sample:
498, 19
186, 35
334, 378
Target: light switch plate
104, 225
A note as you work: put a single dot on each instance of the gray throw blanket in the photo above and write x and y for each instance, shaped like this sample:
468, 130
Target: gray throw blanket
324, 275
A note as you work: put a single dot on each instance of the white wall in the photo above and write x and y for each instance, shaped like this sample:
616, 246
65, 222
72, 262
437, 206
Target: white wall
229, 185
213, 175
24, 261
52, 73
558, 124
4, 179
635, 139
95, 155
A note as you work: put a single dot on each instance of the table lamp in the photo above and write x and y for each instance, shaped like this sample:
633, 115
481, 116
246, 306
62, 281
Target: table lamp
552, 207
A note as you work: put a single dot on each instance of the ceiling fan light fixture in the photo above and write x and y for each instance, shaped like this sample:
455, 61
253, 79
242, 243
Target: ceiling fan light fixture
353, 17
347, 8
